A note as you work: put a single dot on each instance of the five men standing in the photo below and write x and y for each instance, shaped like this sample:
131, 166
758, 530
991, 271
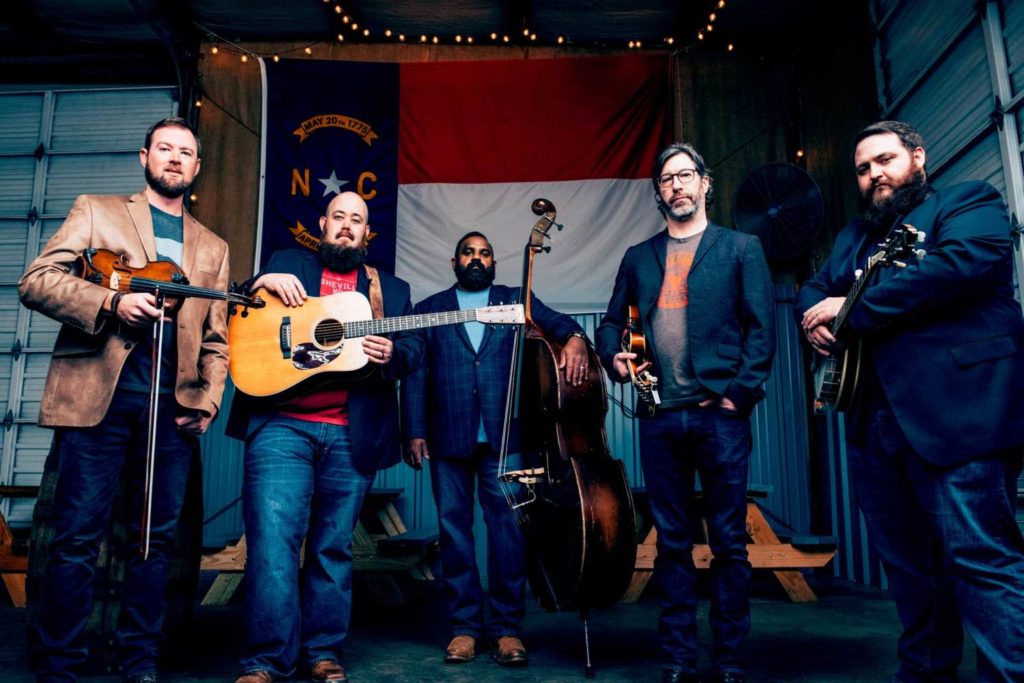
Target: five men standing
934, 432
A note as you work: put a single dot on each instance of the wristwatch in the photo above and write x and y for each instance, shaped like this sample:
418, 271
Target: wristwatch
579, 335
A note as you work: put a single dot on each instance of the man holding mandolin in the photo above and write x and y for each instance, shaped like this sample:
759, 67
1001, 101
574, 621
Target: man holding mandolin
704, 299
98, 394
934, 431
311, 455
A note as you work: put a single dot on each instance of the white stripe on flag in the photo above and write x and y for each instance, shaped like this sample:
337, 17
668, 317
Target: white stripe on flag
601, 218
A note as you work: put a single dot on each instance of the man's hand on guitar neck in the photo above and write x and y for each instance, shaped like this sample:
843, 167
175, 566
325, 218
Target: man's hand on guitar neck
284, 286
816, 321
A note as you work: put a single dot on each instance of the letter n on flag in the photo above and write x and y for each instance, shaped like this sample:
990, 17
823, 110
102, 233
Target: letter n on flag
439, 149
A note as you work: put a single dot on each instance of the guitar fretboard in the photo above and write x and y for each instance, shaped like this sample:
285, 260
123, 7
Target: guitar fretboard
361, 328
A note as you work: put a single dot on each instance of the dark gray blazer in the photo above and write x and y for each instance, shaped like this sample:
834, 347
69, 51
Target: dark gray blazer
730, 317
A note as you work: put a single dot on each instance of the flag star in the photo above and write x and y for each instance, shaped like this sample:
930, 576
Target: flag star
332, 184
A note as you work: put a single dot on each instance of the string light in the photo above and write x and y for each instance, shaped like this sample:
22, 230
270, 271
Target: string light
277, 58
387, 33
504, 39
561, 39
434, 40
700, 36
341, 38
355, 26
730, 47
469, 40
193, 198
401, 37
366, 32
308, 50
670, 40
423, 38
526, 32
245, 58
214, 50
458, 39
337, 9
712, 16
494, 36
533, 36
721, 4
199, 103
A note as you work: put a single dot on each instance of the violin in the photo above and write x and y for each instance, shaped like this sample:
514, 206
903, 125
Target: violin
634, 341
572, 498
107, 269
162, 279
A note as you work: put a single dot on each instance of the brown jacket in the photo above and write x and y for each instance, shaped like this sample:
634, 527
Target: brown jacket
92, 346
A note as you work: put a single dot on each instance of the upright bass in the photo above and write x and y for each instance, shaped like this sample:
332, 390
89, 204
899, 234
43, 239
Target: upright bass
572, 498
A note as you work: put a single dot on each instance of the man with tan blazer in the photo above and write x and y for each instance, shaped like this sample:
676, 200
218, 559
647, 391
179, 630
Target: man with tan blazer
97, 394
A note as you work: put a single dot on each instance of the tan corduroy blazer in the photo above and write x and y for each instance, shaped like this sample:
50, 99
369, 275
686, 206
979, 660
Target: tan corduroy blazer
92, 346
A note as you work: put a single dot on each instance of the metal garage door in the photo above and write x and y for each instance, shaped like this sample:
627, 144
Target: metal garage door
54, 145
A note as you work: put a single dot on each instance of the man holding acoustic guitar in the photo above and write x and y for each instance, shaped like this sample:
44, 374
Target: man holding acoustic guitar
935, 429
704, 298
311, 454
102, 386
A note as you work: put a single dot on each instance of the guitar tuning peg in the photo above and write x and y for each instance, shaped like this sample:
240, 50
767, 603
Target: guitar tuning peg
919, 254
920, 236
899, 264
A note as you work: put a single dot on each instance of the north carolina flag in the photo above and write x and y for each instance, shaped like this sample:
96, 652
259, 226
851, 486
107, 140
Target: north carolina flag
442, 148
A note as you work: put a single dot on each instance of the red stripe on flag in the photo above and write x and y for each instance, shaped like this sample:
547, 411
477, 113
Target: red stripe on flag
532, 120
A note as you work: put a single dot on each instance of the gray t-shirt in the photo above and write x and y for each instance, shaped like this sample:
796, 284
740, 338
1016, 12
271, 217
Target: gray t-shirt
677, 384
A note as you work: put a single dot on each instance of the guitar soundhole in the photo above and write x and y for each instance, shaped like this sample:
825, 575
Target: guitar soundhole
328, 333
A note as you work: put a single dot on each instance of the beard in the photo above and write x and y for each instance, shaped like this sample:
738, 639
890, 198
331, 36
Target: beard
474, 277
341, 259
164, 187
905, 196
679, 215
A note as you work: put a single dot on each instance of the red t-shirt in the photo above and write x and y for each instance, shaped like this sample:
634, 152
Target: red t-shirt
325, 405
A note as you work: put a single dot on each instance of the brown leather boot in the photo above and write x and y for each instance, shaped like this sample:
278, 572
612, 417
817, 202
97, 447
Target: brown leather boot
256, 677
327, 671
461, 649
511, 652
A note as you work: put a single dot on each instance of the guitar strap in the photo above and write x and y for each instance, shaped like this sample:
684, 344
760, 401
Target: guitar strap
376, 297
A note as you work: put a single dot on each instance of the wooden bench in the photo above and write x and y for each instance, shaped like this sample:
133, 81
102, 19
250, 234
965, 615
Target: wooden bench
765, 551
381, 546
14, 556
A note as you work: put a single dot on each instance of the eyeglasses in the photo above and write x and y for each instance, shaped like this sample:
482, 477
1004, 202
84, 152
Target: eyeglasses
685, 177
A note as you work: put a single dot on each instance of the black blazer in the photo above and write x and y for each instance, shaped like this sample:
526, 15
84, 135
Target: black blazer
730, 317
372, 402
945, 335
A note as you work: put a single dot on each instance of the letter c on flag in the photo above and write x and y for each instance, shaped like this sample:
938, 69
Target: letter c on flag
364, 178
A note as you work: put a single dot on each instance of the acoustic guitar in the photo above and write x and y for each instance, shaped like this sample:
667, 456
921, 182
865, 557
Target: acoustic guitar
836, 377
277, 347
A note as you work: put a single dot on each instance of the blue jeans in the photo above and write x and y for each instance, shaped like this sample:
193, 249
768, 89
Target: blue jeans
452, 480
673, 446
950, 545
300, 482
91, 462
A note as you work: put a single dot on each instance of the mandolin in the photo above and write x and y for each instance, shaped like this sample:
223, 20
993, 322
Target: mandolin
634, 341
836, 377
277, 347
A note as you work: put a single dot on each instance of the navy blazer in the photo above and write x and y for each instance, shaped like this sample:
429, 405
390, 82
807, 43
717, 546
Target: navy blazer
444, 400
730, 316
944, 334
372, 402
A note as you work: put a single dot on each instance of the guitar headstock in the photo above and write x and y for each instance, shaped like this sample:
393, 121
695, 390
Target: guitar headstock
900, 244
510, 314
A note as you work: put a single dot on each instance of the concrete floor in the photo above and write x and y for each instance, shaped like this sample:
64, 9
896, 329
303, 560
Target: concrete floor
848, 636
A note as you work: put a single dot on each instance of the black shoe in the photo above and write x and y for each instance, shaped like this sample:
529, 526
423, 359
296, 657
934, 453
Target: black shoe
677, 676
730, 677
